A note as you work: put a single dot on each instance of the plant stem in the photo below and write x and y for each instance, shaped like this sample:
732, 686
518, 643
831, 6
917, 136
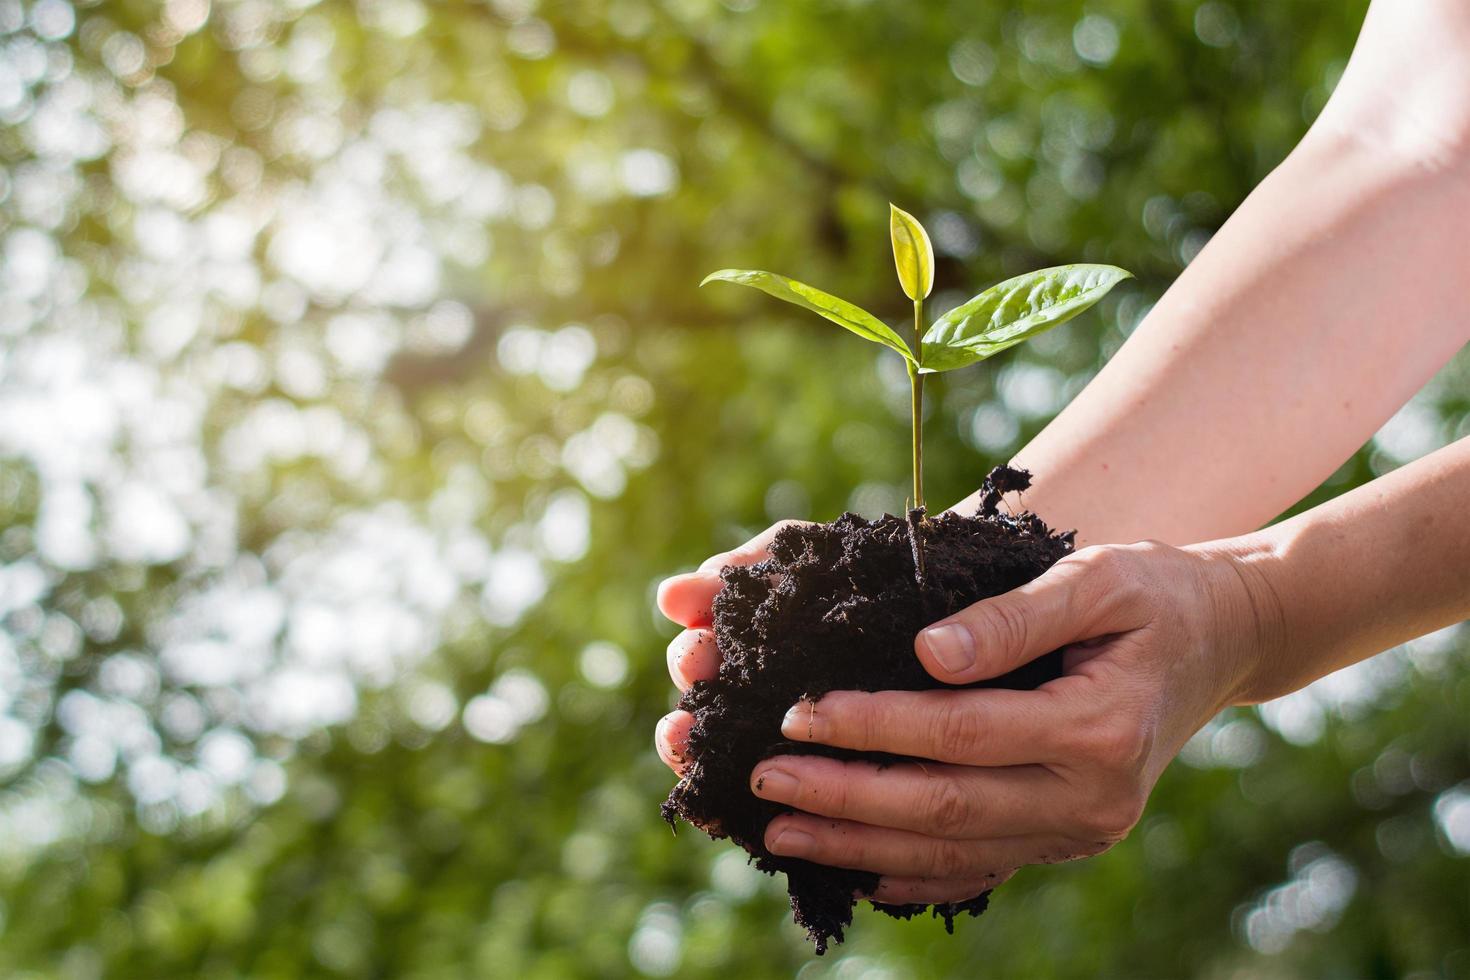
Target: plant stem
916, 388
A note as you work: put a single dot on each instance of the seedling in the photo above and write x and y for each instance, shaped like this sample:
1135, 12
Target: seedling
1002, 316
792, 627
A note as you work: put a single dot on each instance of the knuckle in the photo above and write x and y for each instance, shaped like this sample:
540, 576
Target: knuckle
1120, 746
1111, 580
826, 796
1148, 547
947, 809
1078, 740
851, 719
958, 729
1101, 561
873, 722
1002, 625
946, 858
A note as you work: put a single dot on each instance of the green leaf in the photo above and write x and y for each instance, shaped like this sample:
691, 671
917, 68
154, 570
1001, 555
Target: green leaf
1015, 310
912, 253
839, 311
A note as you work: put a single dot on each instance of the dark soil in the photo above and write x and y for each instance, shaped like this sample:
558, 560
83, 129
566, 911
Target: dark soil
837, 607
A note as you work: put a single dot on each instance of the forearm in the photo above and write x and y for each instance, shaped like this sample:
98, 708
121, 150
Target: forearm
1330, 296
1383, 564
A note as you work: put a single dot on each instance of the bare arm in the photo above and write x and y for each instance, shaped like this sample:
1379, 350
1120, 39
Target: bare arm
1330, 297
1371, 569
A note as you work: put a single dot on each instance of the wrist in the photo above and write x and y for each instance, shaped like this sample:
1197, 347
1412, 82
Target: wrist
1406, 89
1374, 152
1250, 628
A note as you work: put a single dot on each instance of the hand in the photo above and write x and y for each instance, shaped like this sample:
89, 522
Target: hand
687, 600
1159, 639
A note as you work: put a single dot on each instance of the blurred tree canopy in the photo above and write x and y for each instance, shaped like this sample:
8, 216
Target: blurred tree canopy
355, 392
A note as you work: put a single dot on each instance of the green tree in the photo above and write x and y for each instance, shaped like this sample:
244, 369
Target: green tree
355, 392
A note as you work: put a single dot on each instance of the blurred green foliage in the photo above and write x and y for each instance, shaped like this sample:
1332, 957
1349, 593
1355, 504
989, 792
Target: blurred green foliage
355, 393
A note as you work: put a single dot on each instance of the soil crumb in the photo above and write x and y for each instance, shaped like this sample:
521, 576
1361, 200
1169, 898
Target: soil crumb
837, 607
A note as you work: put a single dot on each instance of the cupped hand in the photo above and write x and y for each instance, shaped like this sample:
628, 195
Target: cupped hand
1158, 640
692, 656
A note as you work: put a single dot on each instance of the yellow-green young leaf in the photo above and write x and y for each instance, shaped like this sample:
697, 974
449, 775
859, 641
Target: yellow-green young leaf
1015, 310
912, 253
839, 311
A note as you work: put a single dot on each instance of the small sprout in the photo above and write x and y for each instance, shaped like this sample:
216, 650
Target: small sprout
998, 318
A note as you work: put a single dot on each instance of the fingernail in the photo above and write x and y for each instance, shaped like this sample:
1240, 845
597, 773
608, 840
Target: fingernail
775, 784
676, 750
802, 722
793, 843
951, 645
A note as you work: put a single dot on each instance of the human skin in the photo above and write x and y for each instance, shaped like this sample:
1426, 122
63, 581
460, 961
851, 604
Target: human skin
1330, 296
1159, 639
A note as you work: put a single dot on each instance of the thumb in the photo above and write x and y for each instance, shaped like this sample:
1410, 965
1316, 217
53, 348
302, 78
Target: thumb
1079, 598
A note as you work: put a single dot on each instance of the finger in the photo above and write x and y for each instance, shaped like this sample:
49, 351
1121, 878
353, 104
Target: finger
989, 727
894, 890
671, 739
692, 656
1081, 597
687, 599
844, 844
951, 802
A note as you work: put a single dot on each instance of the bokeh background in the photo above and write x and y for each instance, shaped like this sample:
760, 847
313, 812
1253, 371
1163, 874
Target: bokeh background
355, 392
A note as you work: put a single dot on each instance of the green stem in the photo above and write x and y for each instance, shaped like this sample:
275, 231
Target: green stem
916, 388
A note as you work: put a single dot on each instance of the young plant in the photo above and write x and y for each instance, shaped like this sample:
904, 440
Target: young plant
1002, 316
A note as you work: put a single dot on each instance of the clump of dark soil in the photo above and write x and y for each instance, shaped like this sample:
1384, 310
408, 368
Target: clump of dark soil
837, 607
